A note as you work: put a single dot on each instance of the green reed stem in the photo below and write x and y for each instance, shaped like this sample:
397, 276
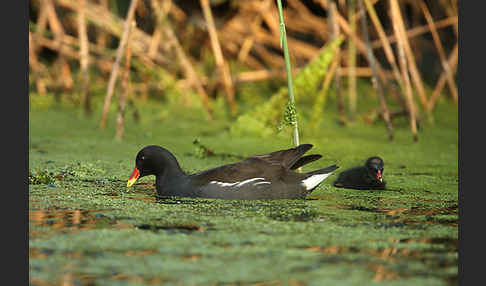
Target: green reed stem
283, 44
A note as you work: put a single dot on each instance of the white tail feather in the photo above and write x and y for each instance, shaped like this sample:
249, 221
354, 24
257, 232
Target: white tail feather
314, 180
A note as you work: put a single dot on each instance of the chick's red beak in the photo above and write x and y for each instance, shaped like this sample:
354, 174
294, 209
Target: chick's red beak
133, 177
378, 176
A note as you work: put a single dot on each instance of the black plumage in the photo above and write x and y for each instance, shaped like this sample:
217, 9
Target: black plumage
267, 176
367, 177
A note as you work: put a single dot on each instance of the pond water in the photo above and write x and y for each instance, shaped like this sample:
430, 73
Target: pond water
86, 228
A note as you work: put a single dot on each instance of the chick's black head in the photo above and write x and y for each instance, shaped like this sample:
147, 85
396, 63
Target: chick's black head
375, 167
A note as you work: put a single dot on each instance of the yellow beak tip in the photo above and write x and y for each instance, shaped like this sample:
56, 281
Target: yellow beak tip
130, 183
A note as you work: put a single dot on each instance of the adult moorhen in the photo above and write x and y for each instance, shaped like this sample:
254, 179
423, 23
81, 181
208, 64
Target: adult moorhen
367, 177
260, 177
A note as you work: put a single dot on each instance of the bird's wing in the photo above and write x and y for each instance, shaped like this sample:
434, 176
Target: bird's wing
247, 169
286, 158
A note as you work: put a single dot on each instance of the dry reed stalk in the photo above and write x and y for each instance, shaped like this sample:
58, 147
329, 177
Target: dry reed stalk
157, 34
373, 65
218, 54
450, 8
261, 75
418, 31
56, 27
66, 73
84, 55
362, 48
66, 50
119, 54
344, 25
362, 72
251, 61
385, 43
126, 89
352, 56
388, 53
299, 48
236, 29
233, 47
33, 61
71, 45
306, 20
42, 19
36, 67
178, 14
104, 19
414, 72
356, 17
440, 51
333, 68
142, 11
403, 65
452, 61
255, 25
300, 23
234, 32
103, 60
266, 74
102, 36
337, 57
270, 17
154, 42
413, 20
161, 13
272, 59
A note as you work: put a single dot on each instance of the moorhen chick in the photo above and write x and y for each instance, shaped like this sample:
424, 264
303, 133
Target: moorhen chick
367, 177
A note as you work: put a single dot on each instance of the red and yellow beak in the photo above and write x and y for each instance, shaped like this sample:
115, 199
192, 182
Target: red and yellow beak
378, 176
133, 177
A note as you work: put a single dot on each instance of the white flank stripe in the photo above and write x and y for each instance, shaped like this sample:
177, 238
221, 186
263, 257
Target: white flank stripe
248, 181
222, 184
239, 184
314, 180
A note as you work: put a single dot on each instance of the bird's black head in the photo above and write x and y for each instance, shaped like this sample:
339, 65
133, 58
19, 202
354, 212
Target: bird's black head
153, 160
375, 167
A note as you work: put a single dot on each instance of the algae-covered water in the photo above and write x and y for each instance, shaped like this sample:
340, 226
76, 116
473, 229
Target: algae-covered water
86, 228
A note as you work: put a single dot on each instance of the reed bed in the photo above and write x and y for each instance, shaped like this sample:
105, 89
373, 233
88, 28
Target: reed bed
166, 44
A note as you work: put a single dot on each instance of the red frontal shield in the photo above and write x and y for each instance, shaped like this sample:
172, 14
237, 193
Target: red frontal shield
378, 175
133, 177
